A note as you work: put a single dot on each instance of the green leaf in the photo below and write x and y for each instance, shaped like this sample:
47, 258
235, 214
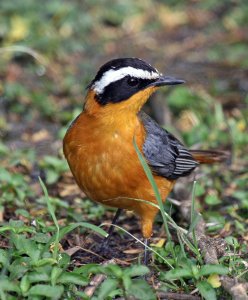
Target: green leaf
212, 200
206, 290
82, 296
90, 268
199, 190
127, 281
3, 150
5, 176
22, 212
213, 269
56, 272
64, 260
72, 278
54, 292
16, 227
137, 270
177, 274
241, 227
56, 163
141, 290
25, 284
113, 270
4, 259
108, 286
186, 263
71, 227
7, 285
41, 238
38, 277
232, 241
26, 246
51, 176
16, 223
180, 98
19, 267
195, 271
45, 261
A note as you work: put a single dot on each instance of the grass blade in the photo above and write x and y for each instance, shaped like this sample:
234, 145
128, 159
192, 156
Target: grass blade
154, 186
51, 211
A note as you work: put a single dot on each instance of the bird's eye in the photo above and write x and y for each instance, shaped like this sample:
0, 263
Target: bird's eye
132, 81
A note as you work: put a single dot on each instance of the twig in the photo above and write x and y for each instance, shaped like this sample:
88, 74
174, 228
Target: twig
97, 280
171, 296
75, 249
176, 296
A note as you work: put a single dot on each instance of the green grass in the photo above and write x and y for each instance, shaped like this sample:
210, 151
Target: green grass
182, 266
49, 52
33, 265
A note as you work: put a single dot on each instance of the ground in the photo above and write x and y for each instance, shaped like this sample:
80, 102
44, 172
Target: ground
49, 53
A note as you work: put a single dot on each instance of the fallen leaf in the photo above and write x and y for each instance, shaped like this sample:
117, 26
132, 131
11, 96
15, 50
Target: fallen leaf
159, 244
133, 251
214, 280
72, 250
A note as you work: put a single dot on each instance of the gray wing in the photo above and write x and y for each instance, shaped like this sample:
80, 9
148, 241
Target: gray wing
166, 156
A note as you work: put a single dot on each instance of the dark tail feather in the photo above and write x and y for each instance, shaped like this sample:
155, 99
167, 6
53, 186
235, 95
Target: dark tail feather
210, 156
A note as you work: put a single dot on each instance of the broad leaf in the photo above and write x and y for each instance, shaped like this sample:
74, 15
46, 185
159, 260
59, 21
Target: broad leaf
54, 292
137, 270
206, 290
141, 290
108, 286
177, 274
213, 269
71, 277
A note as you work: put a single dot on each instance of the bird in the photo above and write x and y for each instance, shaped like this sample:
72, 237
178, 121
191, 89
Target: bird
99, 143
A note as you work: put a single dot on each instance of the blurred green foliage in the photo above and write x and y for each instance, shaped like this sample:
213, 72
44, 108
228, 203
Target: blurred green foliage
49, 52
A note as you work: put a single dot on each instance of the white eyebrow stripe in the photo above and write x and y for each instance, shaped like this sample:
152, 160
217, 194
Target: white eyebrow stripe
115, 75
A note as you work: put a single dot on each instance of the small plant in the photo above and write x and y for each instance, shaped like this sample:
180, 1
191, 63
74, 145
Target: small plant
33, 266
14, 188
203, 277
29, 269
127, 283
53, 167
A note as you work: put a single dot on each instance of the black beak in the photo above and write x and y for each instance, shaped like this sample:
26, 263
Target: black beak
166, 80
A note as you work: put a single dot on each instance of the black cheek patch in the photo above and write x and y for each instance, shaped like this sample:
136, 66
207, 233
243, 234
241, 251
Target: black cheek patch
120, 91
116, 92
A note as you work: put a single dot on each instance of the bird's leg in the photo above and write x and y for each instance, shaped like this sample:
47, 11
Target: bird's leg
146, 252
105, 242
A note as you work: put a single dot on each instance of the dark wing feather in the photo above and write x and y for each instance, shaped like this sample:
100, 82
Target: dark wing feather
166, 156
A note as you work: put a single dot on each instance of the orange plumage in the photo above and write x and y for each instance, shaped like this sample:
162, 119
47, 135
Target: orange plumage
100, 152
99, 144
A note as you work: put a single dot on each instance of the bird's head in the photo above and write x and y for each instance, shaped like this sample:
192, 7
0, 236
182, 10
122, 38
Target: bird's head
125, 83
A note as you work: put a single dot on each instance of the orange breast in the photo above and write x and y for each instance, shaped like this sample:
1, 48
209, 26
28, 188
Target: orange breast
106, 167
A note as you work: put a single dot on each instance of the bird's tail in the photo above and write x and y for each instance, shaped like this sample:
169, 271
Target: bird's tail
210, 156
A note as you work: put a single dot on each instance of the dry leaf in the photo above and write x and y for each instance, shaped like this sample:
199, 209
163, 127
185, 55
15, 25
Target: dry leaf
159, 244
133, 251
214, 280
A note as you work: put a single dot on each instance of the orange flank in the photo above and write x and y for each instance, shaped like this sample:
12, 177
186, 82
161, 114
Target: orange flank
100, 152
